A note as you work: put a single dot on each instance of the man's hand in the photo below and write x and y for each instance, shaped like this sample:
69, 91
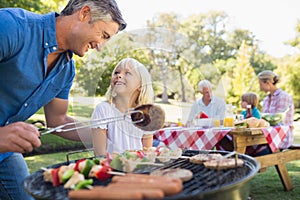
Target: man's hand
19, 137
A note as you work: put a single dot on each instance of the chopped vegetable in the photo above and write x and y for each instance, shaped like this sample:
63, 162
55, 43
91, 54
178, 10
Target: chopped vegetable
88, 166
76, 168
141, 154
55, 179
116, 163
84, 184
76, 178
67, 175
103, 173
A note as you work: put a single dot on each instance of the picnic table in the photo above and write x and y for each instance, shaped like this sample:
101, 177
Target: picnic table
198, 138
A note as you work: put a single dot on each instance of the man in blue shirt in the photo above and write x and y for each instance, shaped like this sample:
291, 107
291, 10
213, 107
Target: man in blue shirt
37, 70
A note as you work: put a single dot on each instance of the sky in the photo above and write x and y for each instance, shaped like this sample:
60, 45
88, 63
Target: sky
272, 22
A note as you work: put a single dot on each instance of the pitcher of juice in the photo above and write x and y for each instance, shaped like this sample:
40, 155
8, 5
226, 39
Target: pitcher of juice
229, 116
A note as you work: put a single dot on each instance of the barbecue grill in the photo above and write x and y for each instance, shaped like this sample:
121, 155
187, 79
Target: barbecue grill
206, 183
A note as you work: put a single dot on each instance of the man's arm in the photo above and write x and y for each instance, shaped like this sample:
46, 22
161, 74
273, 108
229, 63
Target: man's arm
56, 114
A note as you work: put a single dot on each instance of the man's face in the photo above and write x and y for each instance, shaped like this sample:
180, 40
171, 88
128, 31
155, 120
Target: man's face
86, 35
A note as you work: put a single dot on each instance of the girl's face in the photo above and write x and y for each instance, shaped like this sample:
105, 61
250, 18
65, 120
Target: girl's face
125, 81
244, 104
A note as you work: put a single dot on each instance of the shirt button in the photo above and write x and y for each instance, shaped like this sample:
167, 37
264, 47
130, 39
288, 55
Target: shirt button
26, 104
46, 44
54, 48
7, 122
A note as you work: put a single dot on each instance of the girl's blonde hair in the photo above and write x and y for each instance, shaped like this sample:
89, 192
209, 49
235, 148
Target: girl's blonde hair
268, 75
251, 98
146, 95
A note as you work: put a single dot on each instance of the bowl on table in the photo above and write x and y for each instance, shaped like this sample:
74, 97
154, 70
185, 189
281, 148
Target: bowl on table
273, 119
205, 122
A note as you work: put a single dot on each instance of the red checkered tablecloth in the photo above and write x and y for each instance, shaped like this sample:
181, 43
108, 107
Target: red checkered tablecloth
190, 138
275, 135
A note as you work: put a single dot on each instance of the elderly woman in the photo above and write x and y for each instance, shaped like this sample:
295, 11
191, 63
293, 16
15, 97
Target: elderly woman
213, 106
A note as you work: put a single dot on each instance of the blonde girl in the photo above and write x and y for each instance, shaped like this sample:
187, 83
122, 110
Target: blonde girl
130, 86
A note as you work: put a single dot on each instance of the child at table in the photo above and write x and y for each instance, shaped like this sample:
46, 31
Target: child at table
130, 86
250, 98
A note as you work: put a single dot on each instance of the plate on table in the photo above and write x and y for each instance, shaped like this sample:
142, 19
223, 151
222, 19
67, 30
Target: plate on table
173, 128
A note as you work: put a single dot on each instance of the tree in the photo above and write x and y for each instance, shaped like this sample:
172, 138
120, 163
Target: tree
208, 33
238, 37
288, 70
175, 45
94, 71
242, 77
38, 6
295, 42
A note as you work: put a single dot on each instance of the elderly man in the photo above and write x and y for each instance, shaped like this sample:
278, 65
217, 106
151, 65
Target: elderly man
213, 106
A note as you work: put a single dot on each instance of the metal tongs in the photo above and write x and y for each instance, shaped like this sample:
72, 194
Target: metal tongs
92, 123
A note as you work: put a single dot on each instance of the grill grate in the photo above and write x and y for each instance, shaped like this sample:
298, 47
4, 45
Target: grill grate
204, 180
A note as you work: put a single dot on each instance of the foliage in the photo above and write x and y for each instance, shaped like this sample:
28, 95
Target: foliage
261, 61
38, 6
288, 70
243, 78
193, 48
295, 42
171, 47
94, 72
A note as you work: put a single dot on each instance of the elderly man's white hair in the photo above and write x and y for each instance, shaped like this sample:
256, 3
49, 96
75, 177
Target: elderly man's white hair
204, 84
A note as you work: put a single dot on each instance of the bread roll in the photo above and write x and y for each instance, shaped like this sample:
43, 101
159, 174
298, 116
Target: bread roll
252, 122
256, 123
263, 123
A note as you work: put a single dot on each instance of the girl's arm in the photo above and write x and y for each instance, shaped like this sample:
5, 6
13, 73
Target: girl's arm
147, 140
99, 141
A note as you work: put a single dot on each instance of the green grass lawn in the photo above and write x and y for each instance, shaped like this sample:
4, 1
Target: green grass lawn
267, 185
